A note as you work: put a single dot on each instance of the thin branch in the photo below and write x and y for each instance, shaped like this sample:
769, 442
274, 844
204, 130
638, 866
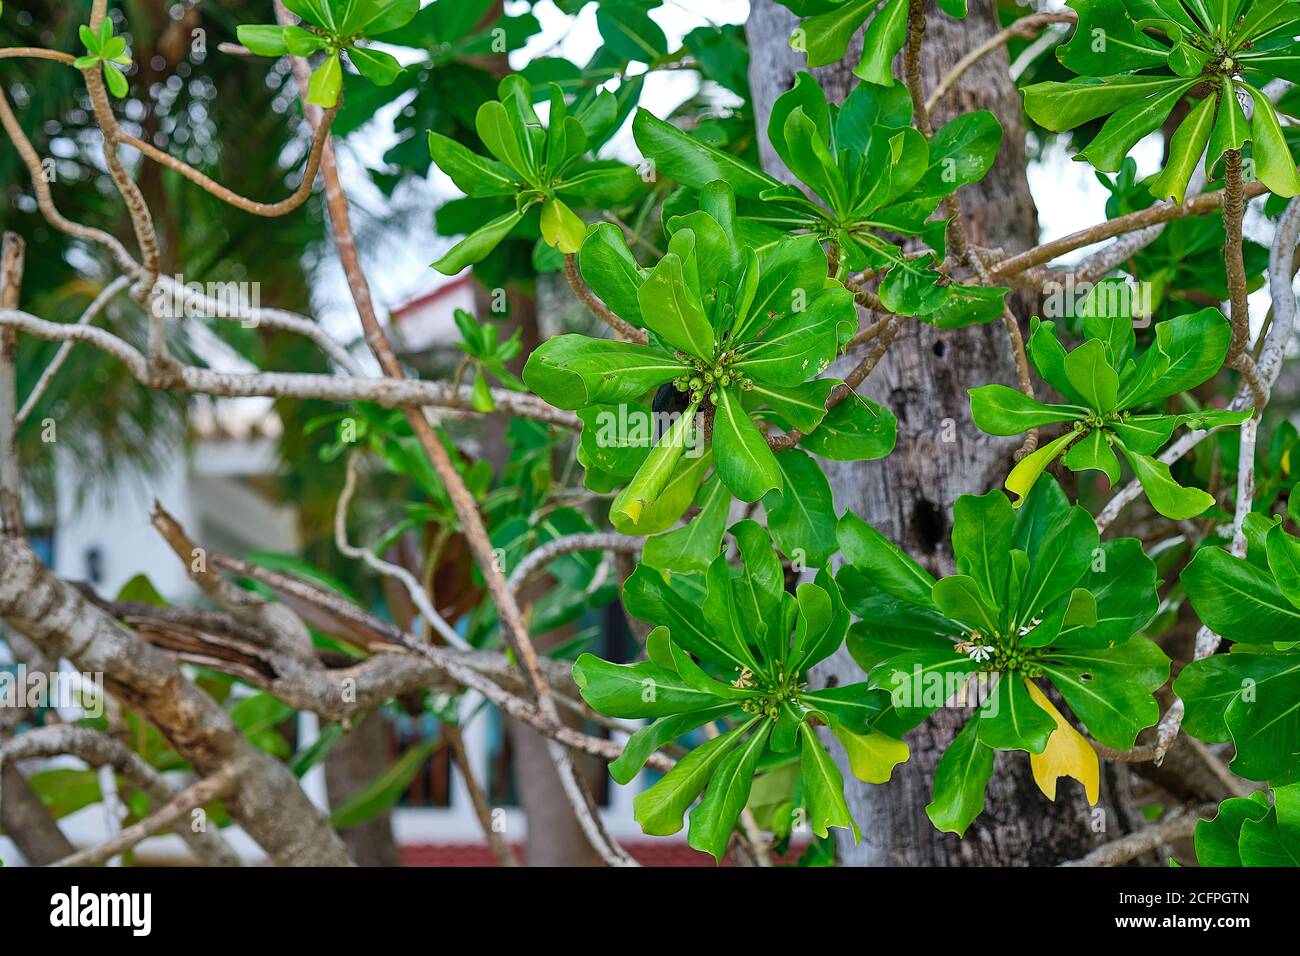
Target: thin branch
497, 843
12, 254
1024, 28
413, 587
624, 330
1160, 212
61, 356
229, 196
592, 541
1178, 827
100, 750
386, 392
172, 814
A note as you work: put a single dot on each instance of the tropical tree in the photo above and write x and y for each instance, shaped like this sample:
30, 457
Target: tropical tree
773, 440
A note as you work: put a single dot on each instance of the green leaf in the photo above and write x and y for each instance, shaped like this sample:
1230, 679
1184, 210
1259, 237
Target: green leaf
856, 429
1060, 540
326, 81
801, 514
608, 268
743, 459
1010, 720
1062, 106
648, 597
823, 787
672, 310
262, 40
1275, 167
873, 755
881, 42
1001, 410
116, 81
803, 406
574, 371
475, 175
383, 791
636, 690
628, 31
1105, 41
1026, 472
692, 163
1217, 840
1131, 123
1123, 584
825, 37
715, 816
561, 227
981, 543
1284, 561
476, 246
1111, 690
888, 566
375, 65
961, 152
1093, 452
960, 780
657, 470
648, 739
663, 511
1092, 377
693, 546
659, 809
958, 597
1188, 350
1230, 127
1238, 600
1166, 495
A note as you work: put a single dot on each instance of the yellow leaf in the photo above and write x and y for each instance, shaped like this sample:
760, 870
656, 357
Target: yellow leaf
872, 756
1067, 754
1023, 476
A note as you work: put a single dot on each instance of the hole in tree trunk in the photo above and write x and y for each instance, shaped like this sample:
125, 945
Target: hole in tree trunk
928, 525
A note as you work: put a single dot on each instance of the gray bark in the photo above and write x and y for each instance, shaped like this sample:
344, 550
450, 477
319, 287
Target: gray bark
940, 455
269, 803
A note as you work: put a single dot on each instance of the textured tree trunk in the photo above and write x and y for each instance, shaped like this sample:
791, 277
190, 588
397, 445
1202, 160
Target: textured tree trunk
357, 759
940, 455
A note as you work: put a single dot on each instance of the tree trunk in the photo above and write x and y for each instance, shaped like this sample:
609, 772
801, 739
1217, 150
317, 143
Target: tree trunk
357, 759
940, 454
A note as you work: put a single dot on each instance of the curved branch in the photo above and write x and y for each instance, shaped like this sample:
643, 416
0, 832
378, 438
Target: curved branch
624, 330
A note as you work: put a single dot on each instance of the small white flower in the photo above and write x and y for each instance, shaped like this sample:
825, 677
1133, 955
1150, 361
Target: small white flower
980, 652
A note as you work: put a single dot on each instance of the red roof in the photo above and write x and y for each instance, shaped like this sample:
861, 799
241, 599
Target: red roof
444, 290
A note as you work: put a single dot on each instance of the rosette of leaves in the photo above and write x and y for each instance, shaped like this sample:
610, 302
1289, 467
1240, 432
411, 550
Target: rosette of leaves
734, 648
1137, 59
487, 356
735, 335
876, 177
1248, 696
1107, 384
1036, 598
534, 166
108, 51
827, 26
334, 27
1249, 831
